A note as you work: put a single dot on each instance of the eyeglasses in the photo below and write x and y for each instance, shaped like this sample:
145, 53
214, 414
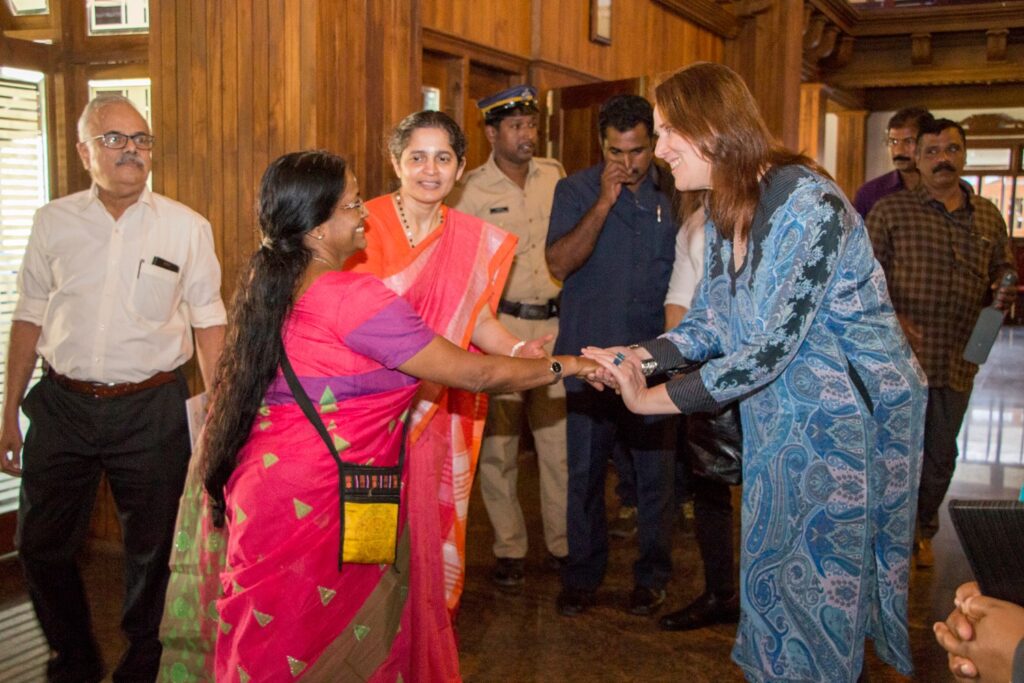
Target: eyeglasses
949, 150
896, 142
114, 140
357, 204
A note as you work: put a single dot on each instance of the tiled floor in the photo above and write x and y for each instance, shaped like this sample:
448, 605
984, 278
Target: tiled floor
518, 636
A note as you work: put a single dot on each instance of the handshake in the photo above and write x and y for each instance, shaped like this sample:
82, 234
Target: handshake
625, 369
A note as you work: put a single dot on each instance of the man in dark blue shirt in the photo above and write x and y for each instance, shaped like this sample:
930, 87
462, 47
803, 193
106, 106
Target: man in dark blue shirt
611, 240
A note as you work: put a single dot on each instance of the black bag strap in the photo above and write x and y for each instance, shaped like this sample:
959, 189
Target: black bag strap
302, 398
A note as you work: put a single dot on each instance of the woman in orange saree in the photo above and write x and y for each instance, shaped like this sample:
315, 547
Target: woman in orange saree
451, 267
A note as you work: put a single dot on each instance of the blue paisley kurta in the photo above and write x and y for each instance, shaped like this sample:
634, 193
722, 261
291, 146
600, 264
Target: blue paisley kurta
832, 403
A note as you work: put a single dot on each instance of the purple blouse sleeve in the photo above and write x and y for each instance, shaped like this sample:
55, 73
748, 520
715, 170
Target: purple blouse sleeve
391, 336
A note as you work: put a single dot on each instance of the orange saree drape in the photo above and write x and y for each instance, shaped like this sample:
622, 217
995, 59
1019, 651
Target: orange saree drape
448, 278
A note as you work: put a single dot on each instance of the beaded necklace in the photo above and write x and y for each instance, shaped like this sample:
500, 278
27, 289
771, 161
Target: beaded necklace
405, 223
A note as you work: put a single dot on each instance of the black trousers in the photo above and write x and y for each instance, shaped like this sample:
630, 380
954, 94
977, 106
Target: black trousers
141, 443
712, 516
942, 420
595, 423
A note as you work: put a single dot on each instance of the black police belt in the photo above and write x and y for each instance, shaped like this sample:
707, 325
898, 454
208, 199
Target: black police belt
529, 311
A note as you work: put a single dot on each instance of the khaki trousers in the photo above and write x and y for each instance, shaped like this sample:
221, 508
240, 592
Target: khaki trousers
498, 472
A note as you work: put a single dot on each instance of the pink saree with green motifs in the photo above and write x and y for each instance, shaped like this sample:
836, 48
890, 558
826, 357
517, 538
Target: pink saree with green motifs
369, 622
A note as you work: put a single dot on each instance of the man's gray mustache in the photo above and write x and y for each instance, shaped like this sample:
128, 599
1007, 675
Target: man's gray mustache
130, 159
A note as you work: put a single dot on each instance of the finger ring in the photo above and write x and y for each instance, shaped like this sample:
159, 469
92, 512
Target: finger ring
619, 357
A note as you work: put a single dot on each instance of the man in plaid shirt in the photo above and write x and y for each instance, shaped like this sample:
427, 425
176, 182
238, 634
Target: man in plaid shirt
944, 250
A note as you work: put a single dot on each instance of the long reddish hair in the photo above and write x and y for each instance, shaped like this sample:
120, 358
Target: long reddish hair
711, 106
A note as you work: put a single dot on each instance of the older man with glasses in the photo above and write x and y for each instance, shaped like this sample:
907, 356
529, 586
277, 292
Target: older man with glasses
901, 141
114, 282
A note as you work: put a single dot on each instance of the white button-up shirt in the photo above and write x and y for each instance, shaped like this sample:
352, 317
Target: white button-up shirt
116, 300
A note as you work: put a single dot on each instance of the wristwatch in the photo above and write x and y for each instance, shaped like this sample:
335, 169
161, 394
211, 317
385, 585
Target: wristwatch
556, 370
648, 366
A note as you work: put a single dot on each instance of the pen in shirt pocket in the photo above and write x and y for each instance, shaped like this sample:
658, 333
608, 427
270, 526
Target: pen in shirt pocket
159, 263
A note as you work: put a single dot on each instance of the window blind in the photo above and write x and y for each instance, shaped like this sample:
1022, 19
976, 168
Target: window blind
22, 191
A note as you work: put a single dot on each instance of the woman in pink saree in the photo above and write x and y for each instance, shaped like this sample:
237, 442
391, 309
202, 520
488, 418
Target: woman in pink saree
256, 590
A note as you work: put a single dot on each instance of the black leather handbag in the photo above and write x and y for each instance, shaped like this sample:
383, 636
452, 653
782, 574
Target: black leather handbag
716, 445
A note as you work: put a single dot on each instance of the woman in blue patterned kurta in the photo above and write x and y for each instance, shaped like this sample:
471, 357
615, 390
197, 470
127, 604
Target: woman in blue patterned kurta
792, 319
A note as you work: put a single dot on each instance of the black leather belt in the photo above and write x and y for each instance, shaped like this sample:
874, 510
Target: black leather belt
529, 311
100, 390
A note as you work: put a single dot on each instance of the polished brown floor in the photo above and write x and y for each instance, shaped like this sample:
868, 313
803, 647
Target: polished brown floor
518, 636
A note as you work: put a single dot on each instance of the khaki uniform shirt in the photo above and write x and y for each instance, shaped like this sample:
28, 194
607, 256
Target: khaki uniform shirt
489, 194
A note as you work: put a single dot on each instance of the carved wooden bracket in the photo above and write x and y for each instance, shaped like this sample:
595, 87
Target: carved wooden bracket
813, 31
749, 8
824, 42
920, 48
843, 52
996, 44
993, 124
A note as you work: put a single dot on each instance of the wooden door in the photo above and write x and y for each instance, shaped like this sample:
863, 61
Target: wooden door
484, 81
573, 133
462, 81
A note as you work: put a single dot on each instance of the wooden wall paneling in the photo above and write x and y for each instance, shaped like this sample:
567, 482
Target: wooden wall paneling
197, 112
76, 91
58, 129
274, 57
393, 54
354, 137
24, 54
240, 82
163, 91
227, 125
850, 141
295, 108
182, 101
308, 82
258, 102
463, 46
504, 25
648, 38
813, 105
211, 134
769, 56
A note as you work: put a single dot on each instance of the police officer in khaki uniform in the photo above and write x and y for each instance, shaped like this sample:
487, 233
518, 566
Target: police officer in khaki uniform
514, 190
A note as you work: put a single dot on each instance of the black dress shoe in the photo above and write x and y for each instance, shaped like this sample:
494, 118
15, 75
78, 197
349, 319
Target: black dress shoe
556, 563
573, 601
508, 572
707, 610
645, 601
83, 668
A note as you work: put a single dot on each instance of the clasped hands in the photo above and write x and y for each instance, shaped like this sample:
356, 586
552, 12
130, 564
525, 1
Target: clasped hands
620, 370
615, 367
980, 635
